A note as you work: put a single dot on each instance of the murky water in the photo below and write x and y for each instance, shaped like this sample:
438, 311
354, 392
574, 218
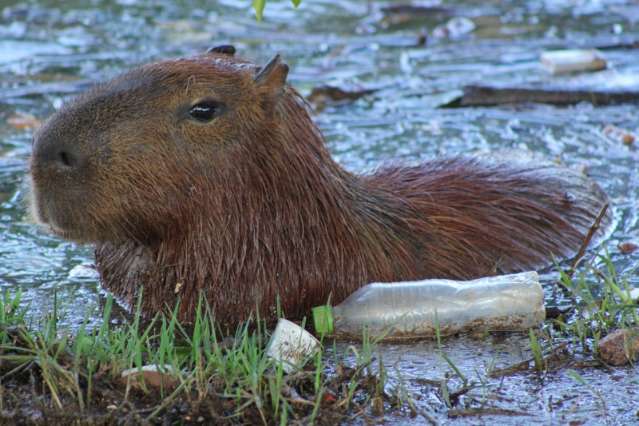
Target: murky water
49, 52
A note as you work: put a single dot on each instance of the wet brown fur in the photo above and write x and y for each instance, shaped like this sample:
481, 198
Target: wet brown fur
251, 207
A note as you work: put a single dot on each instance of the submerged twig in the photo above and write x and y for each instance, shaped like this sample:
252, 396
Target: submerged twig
525, 365
486, 411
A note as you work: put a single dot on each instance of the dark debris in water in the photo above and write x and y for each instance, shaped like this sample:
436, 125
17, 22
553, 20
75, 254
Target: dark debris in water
628, 247
322, 96
416, 10
477, 95
485, 411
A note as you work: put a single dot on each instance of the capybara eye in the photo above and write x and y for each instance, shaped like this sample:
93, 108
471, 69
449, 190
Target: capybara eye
206, 110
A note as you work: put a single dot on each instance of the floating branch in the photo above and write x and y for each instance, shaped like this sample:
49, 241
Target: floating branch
476, 95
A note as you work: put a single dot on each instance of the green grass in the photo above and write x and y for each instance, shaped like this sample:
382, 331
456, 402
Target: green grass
230, 380
601, 301
259, 5
537, 351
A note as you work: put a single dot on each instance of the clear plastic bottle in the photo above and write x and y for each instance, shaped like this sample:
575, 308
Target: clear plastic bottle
415, 309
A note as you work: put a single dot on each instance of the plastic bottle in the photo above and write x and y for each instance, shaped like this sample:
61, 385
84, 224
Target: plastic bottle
415, 309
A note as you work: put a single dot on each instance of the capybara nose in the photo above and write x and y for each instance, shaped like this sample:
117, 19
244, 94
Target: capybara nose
47, 153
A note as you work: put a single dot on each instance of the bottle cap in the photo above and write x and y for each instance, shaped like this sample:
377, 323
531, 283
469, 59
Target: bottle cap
323, 320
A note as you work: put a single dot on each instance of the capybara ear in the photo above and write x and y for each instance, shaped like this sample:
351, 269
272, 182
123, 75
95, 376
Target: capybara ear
272, 76
225, 49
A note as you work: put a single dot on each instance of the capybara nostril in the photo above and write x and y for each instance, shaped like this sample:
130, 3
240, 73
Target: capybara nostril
57, 156
66, 159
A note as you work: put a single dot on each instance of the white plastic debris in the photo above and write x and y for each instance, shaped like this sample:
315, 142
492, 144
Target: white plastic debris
83, 272
455, 28
291, 345
152, 375
417, 309
572, 60
634, 294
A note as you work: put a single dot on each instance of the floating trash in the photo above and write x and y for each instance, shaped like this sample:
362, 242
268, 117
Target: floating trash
291, 345
421, 309
567, 61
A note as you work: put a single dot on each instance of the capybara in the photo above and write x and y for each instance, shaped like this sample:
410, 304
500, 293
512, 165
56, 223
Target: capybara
207, 175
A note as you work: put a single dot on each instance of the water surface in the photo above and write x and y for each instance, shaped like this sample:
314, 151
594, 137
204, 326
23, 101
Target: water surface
50, 52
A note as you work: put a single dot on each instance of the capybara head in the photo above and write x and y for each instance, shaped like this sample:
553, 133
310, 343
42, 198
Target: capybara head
127, 159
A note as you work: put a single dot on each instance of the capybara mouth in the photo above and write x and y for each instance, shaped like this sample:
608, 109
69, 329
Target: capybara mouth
67, 232
43, 219
67, 235
63, 222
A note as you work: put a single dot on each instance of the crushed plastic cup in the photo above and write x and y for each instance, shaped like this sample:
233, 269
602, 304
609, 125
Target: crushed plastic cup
421, 309
291, 345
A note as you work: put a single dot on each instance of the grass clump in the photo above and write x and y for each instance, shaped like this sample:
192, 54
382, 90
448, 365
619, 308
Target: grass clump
601, 303
211, 378
208, 378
